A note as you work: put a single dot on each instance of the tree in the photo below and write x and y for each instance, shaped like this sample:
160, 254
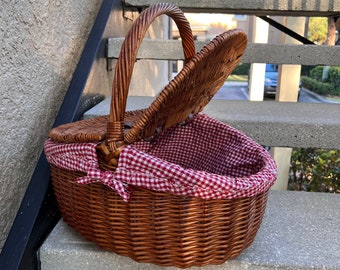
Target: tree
317, 29
315, 170
337, 26
331, 36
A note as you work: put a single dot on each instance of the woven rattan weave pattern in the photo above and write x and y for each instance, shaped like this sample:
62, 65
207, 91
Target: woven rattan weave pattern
153, 226
156, 227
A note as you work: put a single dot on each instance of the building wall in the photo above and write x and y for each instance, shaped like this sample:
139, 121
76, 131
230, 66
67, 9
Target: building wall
41, 42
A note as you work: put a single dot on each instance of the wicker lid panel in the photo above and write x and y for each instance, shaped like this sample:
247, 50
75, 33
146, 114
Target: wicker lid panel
195, 85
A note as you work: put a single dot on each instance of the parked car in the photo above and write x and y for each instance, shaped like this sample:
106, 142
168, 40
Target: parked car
270, 80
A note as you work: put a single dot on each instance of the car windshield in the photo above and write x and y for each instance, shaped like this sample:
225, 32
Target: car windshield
271, 68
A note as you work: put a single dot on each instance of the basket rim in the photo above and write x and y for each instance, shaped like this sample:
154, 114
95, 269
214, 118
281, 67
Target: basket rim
83, 157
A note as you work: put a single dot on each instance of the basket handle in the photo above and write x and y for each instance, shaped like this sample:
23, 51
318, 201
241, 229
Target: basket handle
126, 61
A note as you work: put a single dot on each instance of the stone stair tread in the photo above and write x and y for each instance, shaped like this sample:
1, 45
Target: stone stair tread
300, 230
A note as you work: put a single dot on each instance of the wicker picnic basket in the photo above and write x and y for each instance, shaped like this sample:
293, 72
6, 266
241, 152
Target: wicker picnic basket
167, 185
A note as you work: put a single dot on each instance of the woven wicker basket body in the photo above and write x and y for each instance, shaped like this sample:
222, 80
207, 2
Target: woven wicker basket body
158, 227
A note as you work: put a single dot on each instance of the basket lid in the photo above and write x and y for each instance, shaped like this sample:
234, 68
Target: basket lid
194, 86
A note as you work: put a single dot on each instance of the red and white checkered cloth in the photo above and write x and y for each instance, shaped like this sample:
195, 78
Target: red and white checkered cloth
205, 158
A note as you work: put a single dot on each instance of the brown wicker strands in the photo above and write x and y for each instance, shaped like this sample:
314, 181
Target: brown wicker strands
127, 58
157, 227
93, 129
193, 87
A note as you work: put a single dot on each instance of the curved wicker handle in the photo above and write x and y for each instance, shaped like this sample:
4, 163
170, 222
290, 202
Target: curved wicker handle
127, 58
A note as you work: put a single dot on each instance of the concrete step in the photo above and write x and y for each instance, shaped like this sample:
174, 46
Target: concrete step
299, 231
255, 52
280, 124
259, 7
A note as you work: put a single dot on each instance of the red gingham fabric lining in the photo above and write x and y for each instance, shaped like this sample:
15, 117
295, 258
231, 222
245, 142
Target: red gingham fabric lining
205, 158
82, 157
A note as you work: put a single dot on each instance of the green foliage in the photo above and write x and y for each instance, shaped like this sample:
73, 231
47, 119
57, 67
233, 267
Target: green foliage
316, 73
334, 76
241, 69
315, 170
317, 29
318, 87
330, 86
305, 70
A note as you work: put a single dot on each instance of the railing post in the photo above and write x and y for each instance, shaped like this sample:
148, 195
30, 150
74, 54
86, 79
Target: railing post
257, 70
287, 90
289, 75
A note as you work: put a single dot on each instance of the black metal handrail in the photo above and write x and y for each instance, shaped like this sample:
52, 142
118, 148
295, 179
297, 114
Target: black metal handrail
286, 30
